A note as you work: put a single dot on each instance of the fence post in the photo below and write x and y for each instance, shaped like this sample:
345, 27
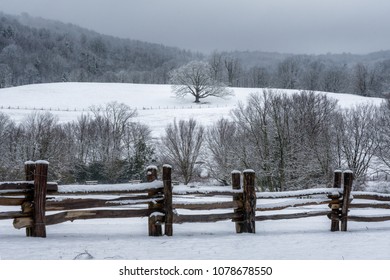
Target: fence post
348, 180
40, 187
249, 224
167, 180
155, 228
238, 199
27, 206
335, 204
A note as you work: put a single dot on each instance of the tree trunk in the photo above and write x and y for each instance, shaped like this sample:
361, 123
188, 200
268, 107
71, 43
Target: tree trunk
197, 99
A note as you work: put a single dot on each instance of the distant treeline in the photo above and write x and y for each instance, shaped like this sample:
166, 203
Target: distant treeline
34, 50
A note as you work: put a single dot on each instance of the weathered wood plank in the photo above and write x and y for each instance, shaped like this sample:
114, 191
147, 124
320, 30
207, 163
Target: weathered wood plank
249, 208
370, 205
103, 192
335, 203
28, 207
23, 222
373, 218
295, 203
22, 190
95, 214
154, 228
238, 200
208, 206
22, 185
40, 187
12, 215
168, 208
8, 201
348, 181
292, 216
207, 193
298, 193
19, 193
371, 196
211, 218
85, 203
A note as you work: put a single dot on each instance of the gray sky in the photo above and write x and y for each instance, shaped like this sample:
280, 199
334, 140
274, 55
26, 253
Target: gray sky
297, 26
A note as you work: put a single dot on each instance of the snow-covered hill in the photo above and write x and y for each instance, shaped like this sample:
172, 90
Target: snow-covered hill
156, 104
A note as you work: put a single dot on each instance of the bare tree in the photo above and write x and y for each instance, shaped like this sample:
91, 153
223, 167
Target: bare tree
216, 65
8, 150
221, 141
359, 134
5, 75
310, 78
334, 79
181, 146
288, 72
287, 139
259, 77
195, 78
254, 132
360, 79
384, 133
233, 69
110, 124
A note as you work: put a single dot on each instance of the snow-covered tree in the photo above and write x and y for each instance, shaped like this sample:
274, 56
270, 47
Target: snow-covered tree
196, 79
358, 132
384, 133
181, 146
221, 141
286, 139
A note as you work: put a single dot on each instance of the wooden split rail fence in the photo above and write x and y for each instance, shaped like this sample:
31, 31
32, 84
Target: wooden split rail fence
44, 203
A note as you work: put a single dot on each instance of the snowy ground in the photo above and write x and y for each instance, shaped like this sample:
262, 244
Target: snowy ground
155, 104
303, 239
106, 239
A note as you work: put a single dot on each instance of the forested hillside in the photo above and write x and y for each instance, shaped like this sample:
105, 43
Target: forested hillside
36, 50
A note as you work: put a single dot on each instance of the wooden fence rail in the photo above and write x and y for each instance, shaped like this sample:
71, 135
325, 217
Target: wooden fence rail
45, 203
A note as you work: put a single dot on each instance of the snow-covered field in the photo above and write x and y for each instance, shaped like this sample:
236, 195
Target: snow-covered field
156, 104
302, 239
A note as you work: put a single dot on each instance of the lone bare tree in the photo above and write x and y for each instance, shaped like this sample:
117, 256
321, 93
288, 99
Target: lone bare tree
196, 78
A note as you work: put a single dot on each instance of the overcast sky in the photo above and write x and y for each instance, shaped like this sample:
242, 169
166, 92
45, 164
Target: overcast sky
294, 26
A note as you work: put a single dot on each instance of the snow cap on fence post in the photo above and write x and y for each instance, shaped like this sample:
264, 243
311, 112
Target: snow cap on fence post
151, 167
151, 173
348, 171
248, 171
45, 162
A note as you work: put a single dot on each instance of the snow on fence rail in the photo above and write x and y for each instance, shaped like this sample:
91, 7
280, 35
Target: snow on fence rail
370, 200
162, 204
